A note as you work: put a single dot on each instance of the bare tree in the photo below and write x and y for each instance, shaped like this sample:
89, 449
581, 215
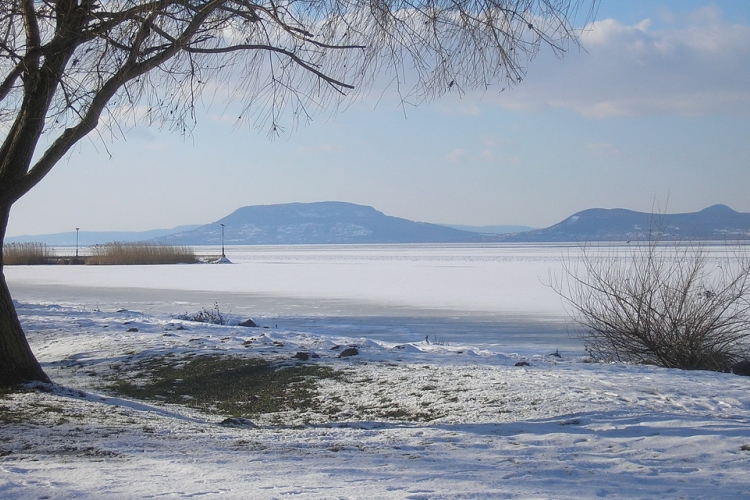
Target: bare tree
72, 67
676, 305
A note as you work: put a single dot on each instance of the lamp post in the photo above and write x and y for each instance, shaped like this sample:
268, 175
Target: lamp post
77, 229
222, 242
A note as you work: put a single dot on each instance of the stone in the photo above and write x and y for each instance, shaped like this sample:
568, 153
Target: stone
349, 351
238, 422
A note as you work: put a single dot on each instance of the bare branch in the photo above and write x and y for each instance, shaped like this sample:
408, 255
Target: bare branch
10, 80
290, 55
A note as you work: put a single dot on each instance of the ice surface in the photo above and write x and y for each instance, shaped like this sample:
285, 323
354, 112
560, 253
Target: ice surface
483, 294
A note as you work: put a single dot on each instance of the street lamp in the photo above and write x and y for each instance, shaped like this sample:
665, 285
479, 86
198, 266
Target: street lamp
77, 229
222, 242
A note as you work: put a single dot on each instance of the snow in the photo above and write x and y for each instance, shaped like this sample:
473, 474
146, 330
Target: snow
559, 428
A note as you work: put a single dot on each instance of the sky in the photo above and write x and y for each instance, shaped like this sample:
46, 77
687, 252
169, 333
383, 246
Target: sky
651, 114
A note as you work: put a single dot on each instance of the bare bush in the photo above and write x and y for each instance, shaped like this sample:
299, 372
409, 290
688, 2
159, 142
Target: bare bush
116, 253
213, 316
27, 254
672, 305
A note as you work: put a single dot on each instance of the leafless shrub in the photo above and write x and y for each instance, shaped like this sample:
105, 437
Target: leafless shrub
677, 305
213, 316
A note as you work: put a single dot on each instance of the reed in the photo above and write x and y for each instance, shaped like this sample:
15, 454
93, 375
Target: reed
27, 254
117, 253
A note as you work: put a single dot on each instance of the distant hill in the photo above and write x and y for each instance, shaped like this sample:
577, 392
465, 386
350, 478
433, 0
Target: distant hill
90, 238
501, 229
344, 223
318, 223
717, 222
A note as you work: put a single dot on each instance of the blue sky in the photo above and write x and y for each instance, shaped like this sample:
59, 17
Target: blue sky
654, 114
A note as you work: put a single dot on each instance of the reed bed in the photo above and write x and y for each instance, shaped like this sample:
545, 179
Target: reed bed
116, 253
27, 254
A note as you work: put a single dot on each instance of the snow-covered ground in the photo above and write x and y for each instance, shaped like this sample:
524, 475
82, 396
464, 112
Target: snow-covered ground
558, 428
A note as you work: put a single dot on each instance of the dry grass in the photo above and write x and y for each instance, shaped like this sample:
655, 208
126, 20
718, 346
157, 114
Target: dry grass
232, 386
117, 253
27, 254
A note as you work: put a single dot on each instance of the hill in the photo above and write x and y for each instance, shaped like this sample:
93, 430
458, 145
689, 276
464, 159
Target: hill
90, 238
347, 223
717, 222
496, 229
318, 223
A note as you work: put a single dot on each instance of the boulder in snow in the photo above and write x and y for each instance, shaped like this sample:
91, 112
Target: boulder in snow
349, 351
238, 422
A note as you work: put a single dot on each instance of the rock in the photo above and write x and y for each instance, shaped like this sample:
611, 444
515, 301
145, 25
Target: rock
303, 356
249, 324
349, 351
522, 363
238, 422
742, 368
132, 330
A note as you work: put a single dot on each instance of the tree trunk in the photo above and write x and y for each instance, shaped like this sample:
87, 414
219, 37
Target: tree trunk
17, 363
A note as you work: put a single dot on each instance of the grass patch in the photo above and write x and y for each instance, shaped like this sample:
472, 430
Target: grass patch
27, 254
116, 253
8, 413
11, 412
232, 386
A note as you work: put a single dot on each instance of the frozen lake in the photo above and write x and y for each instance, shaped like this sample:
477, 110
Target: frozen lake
490, 295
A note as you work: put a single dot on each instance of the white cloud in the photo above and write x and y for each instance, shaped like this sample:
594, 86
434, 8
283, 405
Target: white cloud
698, 64
487, 155
456, 155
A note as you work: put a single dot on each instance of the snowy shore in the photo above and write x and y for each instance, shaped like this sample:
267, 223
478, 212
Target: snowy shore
559, 428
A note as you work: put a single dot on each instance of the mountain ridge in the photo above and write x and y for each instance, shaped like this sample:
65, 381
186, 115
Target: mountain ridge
717, 222
348, 223
89, 238
329, 222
